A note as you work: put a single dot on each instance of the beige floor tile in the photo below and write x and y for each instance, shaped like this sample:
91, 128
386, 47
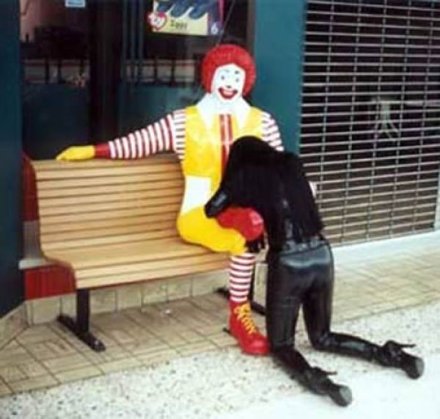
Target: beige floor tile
112, 353
188, 313
51, 349
116, 320
222, 339
77, 374
134, 328
429, 297
144, 339
154, 320
4, 389
119, 365
13, 355
156, 357
162, 326
172, 338
140, 348
406, 302
11, 373
67, 336
105, 337
33, 369
37, 334
140, 334
195, 348
217, 300
67, 363
214, 303
382, 307
34, 383
207, 331
120, 336
10, 345
191, 336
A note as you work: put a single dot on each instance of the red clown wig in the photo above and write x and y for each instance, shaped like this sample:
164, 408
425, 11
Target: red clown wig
228, 54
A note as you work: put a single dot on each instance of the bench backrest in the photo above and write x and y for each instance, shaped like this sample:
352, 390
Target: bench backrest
101, 201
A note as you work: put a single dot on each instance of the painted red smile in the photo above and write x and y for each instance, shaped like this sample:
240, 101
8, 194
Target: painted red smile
227, 93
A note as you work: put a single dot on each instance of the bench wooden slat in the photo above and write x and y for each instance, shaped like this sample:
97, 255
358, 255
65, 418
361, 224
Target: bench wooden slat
112, 230
100, 240
150, 275
121, 180
74, 218
115, 254
97, 190
159, 159
105, 224
77, 171
163, 201
149, 265
122, 196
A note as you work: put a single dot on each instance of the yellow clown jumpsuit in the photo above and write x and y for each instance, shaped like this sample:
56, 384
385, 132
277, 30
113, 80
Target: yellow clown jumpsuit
203, 159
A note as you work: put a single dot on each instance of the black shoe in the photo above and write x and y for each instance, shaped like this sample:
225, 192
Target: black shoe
340, 394
317, 381
413, 366
392, 354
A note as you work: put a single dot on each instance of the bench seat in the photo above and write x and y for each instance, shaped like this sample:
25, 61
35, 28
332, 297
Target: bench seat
118, 264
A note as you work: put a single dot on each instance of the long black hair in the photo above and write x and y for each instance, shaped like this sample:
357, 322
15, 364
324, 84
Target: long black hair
275, 185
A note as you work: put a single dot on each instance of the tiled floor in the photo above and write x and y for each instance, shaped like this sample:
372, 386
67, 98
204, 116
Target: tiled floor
370, 278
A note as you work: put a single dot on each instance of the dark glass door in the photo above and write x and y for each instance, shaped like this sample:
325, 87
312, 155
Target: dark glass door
55, 72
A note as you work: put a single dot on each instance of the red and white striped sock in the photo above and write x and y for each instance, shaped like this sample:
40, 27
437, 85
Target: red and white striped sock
241, 268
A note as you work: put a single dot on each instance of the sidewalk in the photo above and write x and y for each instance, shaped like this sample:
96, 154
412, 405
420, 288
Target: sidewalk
174, 361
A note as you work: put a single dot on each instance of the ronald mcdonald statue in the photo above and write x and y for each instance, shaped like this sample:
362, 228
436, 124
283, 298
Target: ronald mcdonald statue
201, 136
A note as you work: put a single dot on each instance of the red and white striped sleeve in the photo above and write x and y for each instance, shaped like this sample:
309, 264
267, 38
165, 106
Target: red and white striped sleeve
167, 134
271, 133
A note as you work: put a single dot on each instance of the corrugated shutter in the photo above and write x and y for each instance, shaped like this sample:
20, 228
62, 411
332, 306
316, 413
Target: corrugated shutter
370, 132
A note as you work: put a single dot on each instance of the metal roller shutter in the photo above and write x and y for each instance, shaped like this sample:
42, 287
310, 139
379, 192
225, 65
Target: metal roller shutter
370, 132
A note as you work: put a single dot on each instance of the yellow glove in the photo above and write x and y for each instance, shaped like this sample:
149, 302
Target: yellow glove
85, 152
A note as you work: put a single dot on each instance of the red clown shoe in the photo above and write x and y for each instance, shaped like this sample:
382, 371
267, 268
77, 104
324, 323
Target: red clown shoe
243, 328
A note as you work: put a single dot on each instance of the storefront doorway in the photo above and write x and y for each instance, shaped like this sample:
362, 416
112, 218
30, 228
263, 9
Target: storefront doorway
55, 70
100, 69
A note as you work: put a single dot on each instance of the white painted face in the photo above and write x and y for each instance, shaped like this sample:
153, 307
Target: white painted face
228, 82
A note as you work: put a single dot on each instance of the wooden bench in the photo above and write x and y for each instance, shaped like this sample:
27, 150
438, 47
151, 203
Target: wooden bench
113, 223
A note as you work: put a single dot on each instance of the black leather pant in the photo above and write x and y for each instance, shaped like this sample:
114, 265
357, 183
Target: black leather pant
303, 275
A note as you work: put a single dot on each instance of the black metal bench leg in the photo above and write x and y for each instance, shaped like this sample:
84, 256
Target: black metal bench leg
257, 307
81, 327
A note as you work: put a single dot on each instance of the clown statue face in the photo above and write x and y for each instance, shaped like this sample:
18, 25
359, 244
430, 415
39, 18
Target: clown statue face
228, 74
228, 64
228, 83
